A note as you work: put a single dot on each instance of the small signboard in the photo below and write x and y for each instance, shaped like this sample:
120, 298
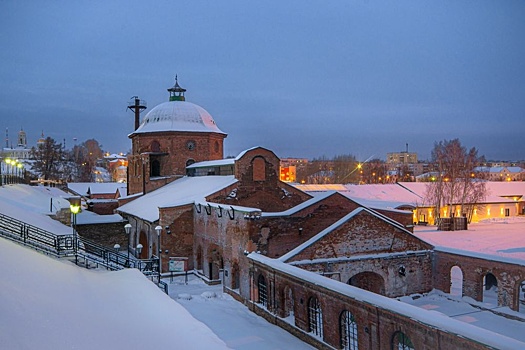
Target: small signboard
178, 264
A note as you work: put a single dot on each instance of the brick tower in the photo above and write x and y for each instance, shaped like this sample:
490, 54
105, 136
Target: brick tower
171, 136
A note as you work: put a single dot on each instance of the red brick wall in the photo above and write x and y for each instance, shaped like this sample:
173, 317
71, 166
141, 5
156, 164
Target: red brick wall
376, 326
364, 233
208, 146
179, 242
508, 275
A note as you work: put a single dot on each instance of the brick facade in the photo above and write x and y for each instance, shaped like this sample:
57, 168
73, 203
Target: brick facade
171, 153
287, 305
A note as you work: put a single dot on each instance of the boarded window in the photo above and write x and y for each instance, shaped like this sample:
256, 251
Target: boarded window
259, 169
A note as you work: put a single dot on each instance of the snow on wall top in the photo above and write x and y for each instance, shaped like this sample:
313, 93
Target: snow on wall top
82, 188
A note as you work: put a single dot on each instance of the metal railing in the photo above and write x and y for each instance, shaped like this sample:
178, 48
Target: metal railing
72, 246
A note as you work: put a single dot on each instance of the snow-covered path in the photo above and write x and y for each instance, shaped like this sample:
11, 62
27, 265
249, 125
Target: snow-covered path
233, 323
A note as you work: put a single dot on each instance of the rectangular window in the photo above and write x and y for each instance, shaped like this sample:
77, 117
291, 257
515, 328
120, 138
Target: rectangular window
507, 212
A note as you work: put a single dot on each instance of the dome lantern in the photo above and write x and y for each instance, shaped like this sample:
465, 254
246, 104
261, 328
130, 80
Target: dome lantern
176, 92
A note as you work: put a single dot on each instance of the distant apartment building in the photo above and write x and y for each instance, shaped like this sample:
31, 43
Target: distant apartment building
502, 173
404, 166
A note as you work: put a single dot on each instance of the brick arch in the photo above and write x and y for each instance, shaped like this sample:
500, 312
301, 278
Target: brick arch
368, 280
154, 146
489, 287
456, 281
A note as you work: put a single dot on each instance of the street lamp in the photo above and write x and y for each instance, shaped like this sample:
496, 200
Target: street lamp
127, 228
116, 247
139, 250
159, 230
74, 206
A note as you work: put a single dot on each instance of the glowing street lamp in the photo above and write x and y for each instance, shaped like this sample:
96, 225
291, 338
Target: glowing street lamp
74, 206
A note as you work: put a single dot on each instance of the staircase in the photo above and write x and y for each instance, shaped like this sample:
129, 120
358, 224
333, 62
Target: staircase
82, 252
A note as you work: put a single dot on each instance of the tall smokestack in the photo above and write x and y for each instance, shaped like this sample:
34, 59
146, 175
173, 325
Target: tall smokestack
407, 147
137, 106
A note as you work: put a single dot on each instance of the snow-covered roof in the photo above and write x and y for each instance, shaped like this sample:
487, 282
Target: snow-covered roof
495, 189
301, 206
177, 116
86, 217
212, 163
85, 188
182, 191
34, 205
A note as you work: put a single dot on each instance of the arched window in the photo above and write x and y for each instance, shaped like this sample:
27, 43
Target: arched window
262, 297
348, 328
402, 342
155, 168
154, 146
315, 317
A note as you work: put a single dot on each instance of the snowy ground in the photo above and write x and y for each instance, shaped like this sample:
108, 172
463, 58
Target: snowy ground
499, 237
238, 327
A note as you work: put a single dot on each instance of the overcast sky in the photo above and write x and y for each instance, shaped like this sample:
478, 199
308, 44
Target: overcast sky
304, 79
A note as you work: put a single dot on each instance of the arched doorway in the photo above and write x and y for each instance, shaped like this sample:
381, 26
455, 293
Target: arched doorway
490, 289
368, 280
235, 276
456, 281
199, 258
143, 240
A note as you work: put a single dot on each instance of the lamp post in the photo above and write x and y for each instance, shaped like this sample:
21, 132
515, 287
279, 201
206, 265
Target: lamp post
74, 206
127, 228
139, 250
7, 168
159, 230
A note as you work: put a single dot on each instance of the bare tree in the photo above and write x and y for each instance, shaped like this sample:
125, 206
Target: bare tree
457, 183
48, 158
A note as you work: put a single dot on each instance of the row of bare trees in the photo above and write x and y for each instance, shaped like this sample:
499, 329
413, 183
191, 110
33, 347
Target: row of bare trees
52, 162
